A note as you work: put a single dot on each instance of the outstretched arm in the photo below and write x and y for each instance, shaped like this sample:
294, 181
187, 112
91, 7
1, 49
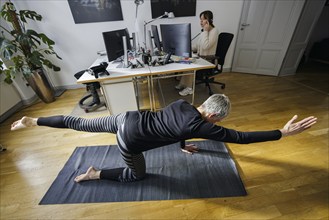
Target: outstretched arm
52, 121
292, 128
222, 134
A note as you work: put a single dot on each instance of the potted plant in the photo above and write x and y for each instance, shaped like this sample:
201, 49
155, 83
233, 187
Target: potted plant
26, 51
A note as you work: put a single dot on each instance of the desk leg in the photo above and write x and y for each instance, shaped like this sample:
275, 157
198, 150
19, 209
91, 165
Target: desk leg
153, 95
161, 92
150, 90
193, 85
135, 81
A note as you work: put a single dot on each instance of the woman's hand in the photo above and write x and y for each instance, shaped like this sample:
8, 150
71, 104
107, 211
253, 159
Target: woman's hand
292, 128
190, 149
206, 26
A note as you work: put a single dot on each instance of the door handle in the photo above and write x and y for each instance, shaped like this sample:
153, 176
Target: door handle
243, 25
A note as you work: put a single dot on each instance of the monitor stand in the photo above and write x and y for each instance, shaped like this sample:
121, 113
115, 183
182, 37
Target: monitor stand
125, 50
119, 62
120, 65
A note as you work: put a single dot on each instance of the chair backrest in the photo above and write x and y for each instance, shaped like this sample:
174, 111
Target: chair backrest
224, 42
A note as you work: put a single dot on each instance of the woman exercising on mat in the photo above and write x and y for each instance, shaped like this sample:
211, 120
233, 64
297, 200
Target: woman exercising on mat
139, 131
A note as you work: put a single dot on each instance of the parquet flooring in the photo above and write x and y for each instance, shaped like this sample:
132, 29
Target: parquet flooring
286, 179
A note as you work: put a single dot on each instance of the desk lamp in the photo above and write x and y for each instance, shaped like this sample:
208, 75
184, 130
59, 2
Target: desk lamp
137, 2
165, 15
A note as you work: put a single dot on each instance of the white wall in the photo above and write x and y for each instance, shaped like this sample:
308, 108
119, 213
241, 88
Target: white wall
9, 96
13, 96
77, 44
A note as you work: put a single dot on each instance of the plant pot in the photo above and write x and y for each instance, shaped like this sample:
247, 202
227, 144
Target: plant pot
41, 86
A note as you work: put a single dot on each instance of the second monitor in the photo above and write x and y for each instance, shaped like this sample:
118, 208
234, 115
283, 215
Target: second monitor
114, 43
176, 39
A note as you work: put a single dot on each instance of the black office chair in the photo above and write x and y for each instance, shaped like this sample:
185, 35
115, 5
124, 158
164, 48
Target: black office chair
95, 101
208, 76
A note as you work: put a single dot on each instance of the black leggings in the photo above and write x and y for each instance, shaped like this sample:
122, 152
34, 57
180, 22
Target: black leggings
135, 169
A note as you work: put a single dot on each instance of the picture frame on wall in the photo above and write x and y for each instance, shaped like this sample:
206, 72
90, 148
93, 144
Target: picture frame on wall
88, 11
180, 8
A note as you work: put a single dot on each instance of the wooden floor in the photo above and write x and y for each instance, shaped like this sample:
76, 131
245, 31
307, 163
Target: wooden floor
287, 179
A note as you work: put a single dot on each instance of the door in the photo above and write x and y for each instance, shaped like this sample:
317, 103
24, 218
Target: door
266, 28
305, 26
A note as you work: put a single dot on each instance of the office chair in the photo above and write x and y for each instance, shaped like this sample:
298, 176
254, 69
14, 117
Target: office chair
92, 89
207, 76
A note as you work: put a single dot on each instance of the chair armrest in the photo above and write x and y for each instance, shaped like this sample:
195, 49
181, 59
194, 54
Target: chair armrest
213, 59
210, 58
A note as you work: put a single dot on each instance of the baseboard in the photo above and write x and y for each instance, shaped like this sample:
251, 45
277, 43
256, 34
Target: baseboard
27, 102
11, 111
20, 105
59, 92
68, 87
226, 70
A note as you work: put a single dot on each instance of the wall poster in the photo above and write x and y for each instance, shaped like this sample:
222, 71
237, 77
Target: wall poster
87, 11
180, 8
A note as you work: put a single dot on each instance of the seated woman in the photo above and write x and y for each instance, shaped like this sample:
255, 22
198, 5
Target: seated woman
206, 46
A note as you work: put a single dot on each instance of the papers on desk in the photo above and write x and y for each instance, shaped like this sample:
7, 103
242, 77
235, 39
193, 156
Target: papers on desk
120, 74
185, 60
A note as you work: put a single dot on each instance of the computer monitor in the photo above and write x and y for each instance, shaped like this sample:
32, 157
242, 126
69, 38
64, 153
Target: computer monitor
114, 43
176, 38
156, 37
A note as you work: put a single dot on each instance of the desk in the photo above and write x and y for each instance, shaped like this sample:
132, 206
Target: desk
119, 87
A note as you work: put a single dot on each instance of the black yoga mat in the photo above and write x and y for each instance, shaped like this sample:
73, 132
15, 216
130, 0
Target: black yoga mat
171, 175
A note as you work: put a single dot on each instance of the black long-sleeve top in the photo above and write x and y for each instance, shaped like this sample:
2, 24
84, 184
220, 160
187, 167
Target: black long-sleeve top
179, 121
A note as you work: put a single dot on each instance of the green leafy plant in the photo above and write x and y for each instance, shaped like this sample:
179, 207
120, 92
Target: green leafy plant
26, 48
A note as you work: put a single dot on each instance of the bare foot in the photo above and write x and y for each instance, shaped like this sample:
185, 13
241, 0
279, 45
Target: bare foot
91, 174
23, 123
